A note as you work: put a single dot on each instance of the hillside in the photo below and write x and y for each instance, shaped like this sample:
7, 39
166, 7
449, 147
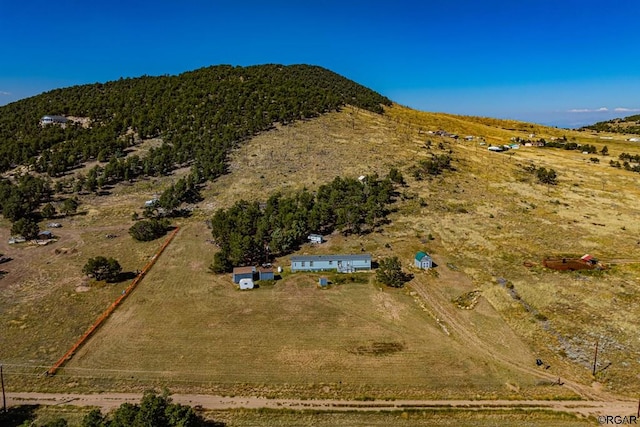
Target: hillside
472, 328
630, 124
199, 115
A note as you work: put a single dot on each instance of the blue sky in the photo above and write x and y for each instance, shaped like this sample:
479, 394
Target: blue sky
561, 62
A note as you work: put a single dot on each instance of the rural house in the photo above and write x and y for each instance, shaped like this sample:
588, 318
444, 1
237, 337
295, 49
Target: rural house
243, 273
339, 263
315, 238
423, 260
48, 120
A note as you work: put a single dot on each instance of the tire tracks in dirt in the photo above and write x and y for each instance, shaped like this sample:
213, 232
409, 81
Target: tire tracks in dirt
458, 330
109, 401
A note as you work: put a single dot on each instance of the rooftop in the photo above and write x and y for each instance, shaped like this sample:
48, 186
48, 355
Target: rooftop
349, 257
243, 270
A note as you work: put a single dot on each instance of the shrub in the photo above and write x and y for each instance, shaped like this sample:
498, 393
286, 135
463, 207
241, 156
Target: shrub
102, 268
25, 227
148, 230
390, 273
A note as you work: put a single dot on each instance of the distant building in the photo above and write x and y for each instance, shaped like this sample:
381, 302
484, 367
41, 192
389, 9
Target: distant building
423, 260
151, 203
315, 238
46, 234
49, 120
339, 263
243, 273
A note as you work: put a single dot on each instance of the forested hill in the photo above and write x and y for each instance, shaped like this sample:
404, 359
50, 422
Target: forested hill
199, 115
629, 124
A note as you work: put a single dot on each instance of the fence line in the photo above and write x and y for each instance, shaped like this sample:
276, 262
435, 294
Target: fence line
67, 356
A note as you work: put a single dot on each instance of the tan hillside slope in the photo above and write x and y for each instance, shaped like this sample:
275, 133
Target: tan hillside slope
192, 330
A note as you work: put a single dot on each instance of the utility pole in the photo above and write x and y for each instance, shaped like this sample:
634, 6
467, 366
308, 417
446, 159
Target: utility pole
4, 398
595, 360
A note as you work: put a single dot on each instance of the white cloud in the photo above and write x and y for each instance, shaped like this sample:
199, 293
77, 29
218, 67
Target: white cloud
3, 93
588, 110
626, 110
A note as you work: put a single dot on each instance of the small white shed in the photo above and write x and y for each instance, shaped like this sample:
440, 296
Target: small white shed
246, 284
315, 238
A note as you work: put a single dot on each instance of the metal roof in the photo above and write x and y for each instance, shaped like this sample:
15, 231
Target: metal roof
350, 257
243, 270
421, 255
60, 118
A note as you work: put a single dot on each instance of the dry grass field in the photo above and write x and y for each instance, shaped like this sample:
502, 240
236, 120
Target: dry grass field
408, 418
191, 330
245, 418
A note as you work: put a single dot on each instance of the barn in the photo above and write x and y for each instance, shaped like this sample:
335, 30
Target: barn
423, 260
243, 273
339, 263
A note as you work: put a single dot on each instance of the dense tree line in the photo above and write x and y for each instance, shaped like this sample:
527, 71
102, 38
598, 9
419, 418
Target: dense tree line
21, 198
630, 124
586, 148
200, 115
154, 410
248, 233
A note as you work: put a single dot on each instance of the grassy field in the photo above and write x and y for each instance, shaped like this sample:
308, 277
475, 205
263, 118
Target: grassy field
409, 418
189, 329
349, 340
443, 417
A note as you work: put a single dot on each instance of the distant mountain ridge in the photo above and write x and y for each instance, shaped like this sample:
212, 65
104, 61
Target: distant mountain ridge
630, 124
200, 115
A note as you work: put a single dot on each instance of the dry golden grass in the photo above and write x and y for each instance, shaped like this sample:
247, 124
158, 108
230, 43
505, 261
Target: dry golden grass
444, 417
189, 329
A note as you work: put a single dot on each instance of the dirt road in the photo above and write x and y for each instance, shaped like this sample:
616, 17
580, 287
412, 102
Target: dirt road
109, 401
447, 316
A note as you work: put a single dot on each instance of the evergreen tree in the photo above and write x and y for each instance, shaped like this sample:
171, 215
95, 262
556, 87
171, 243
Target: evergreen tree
25, 227
390, 273
102, 268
